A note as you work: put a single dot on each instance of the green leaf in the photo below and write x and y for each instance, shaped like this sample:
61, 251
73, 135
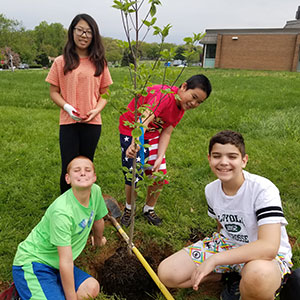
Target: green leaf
125, 169
128, 124
128, 176
153, 21
118, 5
156, 2
157, 30
123, 110
138, 170
166, 30
144, 93
142, 109
147, 23
153, 10
169, 91
140, 192
188, 40
126, 7
107, 95
166, 91
137, 132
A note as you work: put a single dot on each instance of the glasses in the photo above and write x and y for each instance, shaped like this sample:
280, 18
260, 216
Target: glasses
80, 32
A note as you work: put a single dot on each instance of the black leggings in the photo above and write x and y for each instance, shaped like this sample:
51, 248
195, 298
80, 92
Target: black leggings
76, 139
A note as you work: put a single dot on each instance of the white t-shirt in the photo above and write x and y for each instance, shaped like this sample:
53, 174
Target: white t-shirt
256, 203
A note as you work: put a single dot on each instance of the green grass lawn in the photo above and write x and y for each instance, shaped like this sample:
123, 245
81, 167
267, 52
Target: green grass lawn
263, 106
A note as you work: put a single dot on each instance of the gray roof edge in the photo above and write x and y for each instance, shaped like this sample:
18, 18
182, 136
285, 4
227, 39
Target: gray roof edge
253, 31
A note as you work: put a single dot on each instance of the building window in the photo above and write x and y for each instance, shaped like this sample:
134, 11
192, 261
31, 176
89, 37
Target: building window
211, 50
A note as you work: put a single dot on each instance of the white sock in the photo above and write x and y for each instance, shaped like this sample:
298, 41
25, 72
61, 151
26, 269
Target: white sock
128, 206
147, 208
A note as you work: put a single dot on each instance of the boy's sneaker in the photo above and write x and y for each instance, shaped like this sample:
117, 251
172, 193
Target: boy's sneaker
232, 290
126, 217
152, 217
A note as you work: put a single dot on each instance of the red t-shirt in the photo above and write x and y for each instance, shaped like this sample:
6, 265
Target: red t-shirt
163, 106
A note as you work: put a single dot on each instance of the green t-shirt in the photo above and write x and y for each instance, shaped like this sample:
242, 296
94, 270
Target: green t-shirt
65, 223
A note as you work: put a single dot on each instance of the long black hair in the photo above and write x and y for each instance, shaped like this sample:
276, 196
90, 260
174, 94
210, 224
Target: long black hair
96, 50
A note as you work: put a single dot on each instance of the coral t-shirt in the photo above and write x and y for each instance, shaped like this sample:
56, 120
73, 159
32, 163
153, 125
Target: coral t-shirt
80, 88
164, 107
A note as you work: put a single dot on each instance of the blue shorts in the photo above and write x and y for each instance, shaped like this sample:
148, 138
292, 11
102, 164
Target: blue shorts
42, 282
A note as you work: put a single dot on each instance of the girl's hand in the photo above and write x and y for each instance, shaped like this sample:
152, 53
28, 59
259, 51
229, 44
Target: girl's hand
90, 115
132, 150
73, 113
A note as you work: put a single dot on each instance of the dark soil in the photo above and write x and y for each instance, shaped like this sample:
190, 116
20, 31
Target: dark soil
123, 274
120, 273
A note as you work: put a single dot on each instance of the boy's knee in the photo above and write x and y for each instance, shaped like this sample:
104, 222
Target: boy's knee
253, 273
257, 278
161, 271
94, 288
167, 277
163, 274
89, 288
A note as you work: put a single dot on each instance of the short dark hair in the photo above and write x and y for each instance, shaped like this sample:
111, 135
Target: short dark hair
228, 137
199, 81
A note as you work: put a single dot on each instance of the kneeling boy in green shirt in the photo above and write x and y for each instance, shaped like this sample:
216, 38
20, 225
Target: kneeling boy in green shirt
43, 267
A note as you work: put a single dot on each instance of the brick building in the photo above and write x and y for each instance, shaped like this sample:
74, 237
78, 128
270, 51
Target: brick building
254, 49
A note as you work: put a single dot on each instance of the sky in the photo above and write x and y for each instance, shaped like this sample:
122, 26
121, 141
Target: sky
185, 16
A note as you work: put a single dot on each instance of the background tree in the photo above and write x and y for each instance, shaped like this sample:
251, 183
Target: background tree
113, 52
7, 28
179, 53
42, 59
50, 39
149, 51
44, 40
196, 56
23, 43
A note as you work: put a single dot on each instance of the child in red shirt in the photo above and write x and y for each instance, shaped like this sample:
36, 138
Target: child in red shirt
163, 113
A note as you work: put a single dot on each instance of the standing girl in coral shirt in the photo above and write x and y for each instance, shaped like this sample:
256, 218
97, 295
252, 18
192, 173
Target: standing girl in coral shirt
77, 80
